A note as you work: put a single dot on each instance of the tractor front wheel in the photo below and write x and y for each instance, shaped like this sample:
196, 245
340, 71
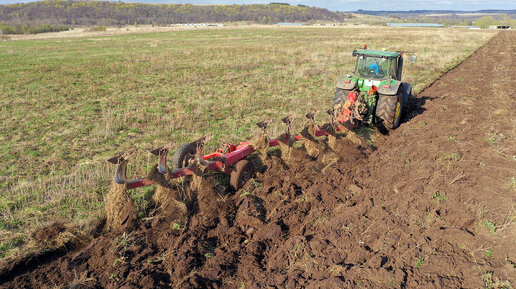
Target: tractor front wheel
388, 111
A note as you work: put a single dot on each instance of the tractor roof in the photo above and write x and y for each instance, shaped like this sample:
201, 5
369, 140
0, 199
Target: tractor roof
380, 53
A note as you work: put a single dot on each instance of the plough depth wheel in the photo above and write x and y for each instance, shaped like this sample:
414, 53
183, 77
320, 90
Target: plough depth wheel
183, 155
244, 171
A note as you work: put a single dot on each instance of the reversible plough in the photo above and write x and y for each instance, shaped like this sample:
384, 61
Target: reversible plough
230, 159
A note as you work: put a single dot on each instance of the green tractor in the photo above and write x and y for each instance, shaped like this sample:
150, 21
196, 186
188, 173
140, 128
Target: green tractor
373, 93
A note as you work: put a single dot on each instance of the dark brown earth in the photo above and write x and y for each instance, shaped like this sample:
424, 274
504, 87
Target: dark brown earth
432, 206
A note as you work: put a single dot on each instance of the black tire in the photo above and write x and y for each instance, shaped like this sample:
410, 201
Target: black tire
407, 95
244, 171
183, 155
340, 96
387, 115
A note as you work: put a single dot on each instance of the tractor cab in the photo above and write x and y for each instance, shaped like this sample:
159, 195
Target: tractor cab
378, 65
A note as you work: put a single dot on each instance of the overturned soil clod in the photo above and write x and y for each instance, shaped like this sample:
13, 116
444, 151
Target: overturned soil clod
120, 210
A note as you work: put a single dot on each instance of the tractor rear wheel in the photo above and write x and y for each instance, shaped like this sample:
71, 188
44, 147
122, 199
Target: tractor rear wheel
244, 171
183, 155
388, 111
340, 96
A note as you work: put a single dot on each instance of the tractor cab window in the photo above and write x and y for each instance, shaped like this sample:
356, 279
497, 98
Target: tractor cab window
375, 67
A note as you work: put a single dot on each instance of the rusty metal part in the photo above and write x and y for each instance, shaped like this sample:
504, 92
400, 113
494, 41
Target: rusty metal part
311, 117
121, 162
200, 147
261, 143
288, 122
162, 152
333, 118
263, 125
122, 157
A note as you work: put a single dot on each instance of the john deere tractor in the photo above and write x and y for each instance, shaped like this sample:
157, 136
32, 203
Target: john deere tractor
374, 92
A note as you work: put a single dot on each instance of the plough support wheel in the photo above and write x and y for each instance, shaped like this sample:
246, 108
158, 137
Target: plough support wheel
183, 155
244, 170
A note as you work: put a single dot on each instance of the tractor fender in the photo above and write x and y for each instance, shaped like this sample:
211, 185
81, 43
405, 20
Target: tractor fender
346, 82
392, 89
407, 91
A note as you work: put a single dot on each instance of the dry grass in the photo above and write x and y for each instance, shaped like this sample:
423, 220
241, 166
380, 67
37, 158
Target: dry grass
66, 105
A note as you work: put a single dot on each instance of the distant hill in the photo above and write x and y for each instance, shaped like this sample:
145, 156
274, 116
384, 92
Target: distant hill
72, 13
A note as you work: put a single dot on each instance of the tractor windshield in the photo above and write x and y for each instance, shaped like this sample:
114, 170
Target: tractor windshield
372, 67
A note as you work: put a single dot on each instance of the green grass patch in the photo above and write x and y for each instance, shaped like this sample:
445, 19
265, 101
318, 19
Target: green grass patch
7, 246
489, 226
420, 262
439, 197
245, 193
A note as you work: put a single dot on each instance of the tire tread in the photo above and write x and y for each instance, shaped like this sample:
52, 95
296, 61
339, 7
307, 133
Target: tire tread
179, 156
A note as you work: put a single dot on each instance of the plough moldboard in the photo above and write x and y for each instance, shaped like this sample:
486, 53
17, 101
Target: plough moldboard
230, 159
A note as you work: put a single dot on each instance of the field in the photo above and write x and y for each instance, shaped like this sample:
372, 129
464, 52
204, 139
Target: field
69, 104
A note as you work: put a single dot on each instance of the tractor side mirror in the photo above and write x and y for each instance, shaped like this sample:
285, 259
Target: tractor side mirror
413, 59
354, 52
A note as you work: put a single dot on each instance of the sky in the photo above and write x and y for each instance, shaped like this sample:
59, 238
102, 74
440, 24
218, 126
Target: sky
352, 5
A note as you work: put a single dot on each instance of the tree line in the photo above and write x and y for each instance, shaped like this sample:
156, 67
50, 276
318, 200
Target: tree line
88, 13
31, 29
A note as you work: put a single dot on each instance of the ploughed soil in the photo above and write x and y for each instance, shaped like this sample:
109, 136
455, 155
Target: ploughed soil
432, 205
